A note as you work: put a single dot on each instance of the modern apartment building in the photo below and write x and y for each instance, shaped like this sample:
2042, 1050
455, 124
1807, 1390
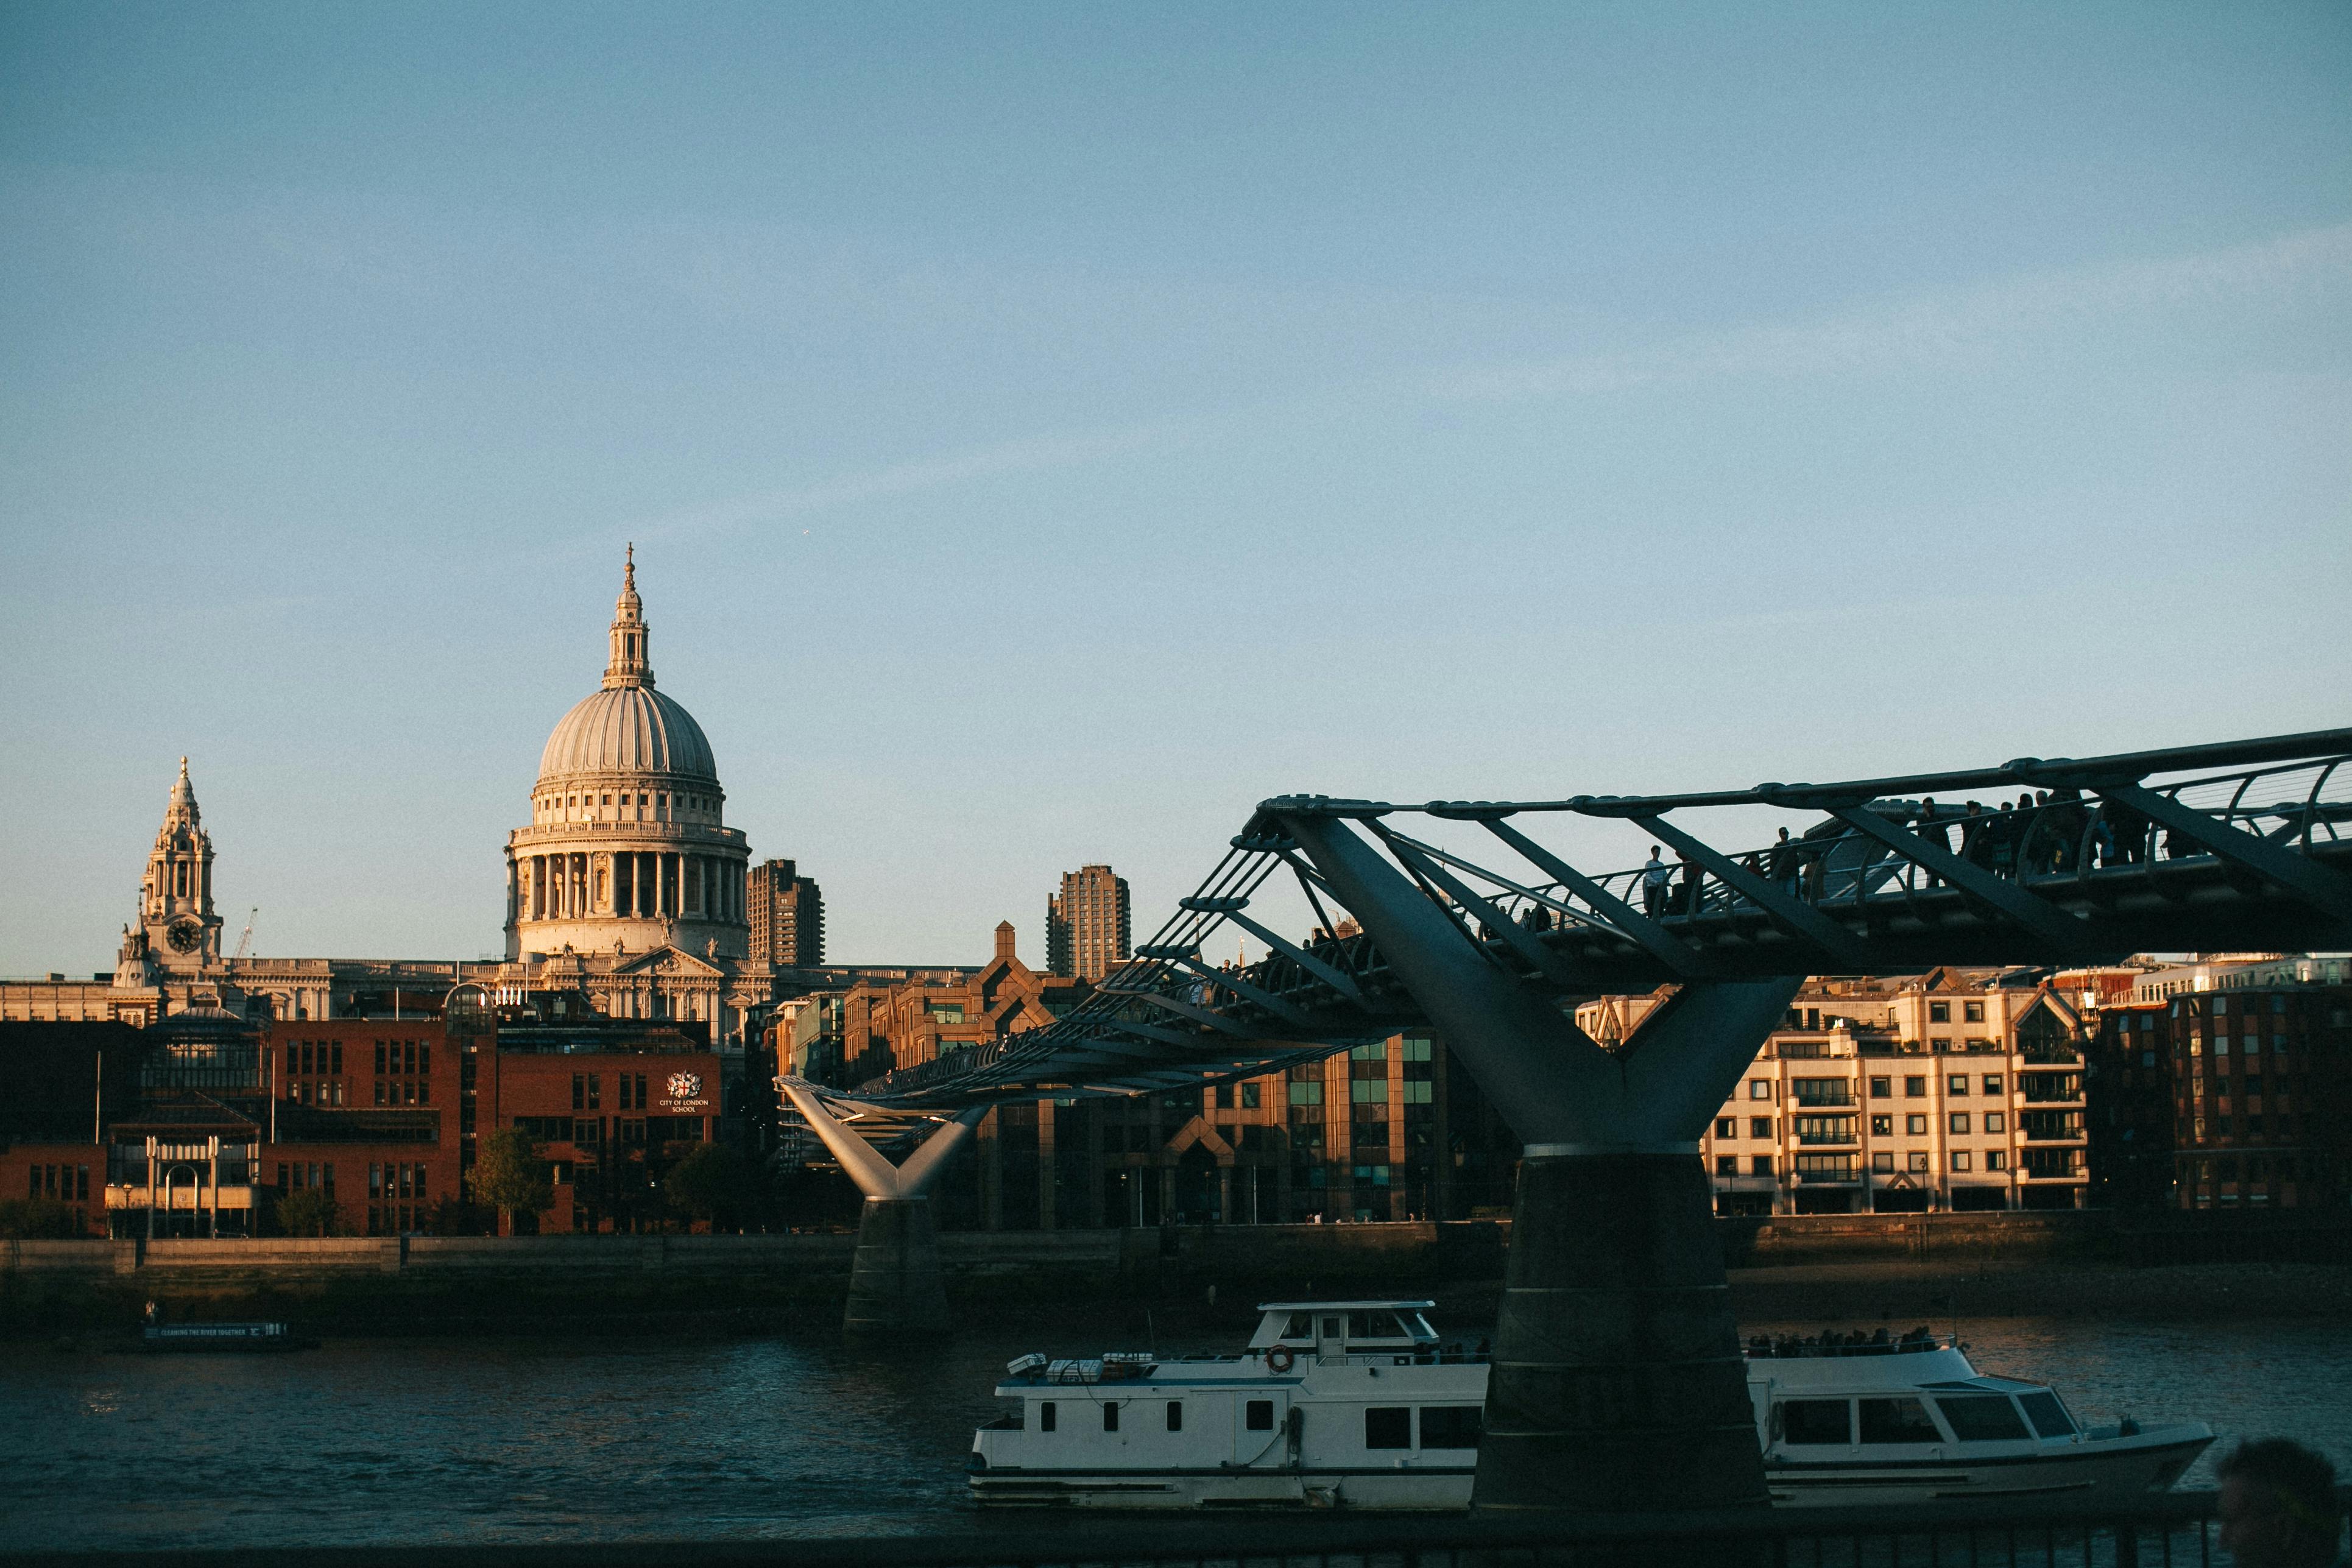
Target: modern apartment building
1956, 1090
787, 914
1087, 924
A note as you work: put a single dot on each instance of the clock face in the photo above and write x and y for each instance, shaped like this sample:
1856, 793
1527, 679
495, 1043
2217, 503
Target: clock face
184, 935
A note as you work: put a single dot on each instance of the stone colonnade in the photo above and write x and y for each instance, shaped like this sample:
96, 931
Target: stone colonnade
651, 884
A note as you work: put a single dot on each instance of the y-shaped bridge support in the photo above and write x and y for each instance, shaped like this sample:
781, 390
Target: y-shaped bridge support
895, 1284
1618, 1381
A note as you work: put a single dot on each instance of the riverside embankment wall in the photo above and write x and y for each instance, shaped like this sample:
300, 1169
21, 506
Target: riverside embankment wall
451, 1282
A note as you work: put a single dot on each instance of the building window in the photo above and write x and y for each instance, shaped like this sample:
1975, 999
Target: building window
1960, 1158
1306, 1094
1960, 1121
1727, 1127
1996, 1159
1883, 1162
1882, 1089
1995, 1121
1249, 1097
1759, 1088
1882, 1126
1957, 1083
1992, 1082
1916, 1162
1939, 1012
1972, 1013
1760, 1164
1915, 1126
1726, 1164
1760, 1127
1916, 1086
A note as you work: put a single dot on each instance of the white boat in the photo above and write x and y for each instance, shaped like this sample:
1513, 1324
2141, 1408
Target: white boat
1359, 1404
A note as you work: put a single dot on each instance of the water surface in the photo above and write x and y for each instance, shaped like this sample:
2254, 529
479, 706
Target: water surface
558, 1438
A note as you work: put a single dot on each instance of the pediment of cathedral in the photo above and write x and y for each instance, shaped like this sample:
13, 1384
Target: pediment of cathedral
667, 960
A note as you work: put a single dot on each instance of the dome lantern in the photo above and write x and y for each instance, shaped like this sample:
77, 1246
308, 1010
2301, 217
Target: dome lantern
632, 661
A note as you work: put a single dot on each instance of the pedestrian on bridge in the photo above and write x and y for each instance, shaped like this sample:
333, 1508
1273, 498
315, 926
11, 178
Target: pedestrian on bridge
1786, 862
1655, 876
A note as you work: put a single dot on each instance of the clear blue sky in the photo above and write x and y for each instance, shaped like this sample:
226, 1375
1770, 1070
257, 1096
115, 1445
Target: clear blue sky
1047, 430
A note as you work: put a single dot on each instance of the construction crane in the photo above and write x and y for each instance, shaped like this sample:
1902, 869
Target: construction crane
246, 940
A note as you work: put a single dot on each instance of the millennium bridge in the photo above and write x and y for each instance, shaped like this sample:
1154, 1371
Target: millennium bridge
1618, 1381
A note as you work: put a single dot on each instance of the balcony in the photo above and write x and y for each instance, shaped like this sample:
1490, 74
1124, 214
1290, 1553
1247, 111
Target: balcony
1845, 1140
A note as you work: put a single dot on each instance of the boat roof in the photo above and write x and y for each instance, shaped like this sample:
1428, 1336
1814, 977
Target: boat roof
1337, 1306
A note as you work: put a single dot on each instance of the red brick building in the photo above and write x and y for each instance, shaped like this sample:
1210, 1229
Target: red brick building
612, 1104
2262, 1083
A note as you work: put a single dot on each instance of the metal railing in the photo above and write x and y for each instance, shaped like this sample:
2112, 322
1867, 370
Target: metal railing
2175, 1528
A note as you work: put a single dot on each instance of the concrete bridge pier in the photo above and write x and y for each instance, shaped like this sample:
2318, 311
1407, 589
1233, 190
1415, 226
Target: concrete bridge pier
1618, 1384
895, 1285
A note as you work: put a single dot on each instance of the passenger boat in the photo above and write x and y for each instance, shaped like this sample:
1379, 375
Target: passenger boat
1359, 1404
181, 1338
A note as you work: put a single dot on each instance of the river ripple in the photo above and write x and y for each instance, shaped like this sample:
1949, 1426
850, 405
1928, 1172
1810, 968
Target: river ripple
435, 1440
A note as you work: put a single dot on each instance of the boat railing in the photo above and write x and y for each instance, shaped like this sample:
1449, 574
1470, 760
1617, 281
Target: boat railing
1763, 1349
1385, 1356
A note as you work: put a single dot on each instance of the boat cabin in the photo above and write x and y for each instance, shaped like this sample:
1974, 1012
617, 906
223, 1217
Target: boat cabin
1334, 1328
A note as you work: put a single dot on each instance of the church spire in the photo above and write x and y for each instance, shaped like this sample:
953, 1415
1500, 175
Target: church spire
181, 811
630, 665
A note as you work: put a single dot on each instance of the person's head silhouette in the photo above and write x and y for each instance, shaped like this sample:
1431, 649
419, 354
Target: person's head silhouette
2277, 1506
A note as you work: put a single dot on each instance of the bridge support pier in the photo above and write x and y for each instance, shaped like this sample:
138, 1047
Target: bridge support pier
896, 1284
1618, 1381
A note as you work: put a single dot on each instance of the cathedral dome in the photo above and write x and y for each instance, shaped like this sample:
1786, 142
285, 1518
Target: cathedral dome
627, 728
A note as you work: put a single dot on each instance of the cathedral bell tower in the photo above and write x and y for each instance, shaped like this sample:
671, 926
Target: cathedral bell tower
175, 899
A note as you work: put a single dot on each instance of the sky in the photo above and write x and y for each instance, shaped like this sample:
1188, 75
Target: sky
1047, 430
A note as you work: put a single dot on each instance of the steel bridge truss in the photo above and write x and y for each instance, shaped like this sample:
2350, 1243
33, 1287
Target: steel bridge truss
2235, 846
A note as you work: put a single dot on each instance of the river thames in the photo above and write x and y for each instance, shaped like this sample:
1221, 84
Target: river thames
404, 1441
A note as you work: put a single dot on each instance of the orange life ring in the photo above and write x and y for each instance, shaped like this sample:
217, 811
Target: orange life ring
1279, 1359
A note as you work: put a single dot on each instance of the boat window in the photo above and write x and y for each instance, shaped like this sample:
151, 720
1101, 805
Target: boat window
1902, 1420
1375, 1326
1388, 1426
2049, 1416
1450, 1425
1110, 1415
1331, 1327
1175, 1415
1045, 1415
1258, 1414
1814, 1421
1420, 1327
1300, 1327
1982, 1418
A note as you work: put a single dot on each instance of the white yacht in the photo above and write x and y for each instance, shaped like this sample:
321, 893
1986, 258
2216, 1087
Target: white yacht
1359, 1403
1911, 1420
